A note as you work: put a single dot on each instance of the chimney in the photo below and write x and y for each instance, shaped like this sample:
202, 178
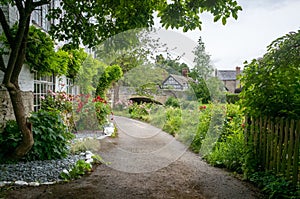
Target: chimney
238, 72
185, 72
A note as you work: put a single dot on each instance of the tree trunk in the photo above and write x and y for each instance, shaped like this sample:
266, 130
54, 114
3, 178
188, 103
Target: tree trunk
116, 94
11, 81
25, 127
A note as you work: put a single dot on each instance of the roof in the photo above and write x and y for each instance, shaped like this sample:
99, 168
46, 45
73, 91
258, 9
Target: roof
180, 79
226, 74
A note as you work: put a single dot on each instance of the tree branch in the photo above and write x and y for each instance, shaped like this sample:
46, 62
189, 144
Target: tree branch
2, 65
5, 27
20, 7
40, 3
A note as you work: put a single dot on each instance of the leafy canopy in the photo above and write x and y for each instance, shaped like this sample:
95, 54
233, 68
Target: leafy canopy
94, 21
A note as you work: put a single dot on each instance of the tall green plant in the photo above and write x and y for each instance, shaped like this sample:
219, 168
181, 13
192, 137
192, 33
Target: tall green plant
50, 134
271, 85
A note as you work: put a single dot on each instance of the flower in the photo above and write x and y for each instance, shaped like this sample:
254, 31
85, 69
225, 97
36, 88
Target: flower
202, 107
42, 97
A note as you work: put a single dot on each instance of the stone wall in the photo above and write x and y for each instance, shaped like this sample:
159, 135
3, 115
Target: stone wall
6, 109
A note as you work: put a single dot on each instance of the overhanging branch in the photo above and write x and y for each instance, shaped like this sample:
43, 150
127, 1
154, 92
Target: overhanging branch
40, 3
2, 65
5, 27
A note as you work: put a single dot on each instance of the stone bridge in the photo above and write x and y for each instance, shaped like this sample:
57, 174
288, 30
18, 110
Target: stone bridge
129, 93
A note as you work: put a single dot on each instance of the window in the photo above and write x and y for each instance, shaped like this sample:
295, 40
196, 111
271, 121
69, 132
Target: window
41, 87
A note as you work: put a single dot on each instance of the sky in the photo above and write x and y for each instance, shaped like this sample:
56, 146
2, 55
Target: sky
247, 38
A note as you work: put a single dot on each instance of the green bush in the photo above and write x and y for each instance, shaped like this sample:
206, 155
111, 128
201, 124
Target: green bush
203, 126
271, 85
140, 111
173, 102
232, 98
51, 137
229, 153
10, 138
274, 186
173, 120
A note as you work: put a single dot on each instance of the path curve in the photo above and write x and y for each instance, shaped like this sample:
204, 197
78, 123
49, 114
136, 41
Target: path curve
147, 163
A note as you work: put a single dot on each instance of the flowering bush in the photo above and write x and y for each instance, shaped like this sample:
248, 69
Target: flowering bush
59, 101
91, 113
140, 111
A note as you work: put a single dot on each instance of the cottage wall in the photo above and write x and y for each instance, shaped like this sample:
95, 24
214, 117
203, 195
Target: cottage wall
230, 85
26, 86
6, 109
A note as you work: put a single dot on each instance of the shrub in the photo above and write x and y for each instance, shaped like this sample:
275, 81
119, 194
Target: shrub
51, 137
140, 111
10, 138
271, 85
173, 102
86, 144
90, 114
274, 186
232, 98
173, 120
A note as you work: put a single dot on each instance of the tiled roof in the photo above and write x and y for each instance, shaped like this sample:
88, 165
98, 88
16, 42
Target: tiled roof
226, 74
181, 79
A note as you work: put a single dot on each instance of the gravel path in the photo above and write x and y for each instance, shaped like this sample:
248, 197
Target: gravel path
146, 163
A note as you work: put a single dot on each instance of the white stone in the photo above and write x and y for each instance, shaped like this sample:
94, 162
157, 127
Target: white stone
65, 171
34, 184
48, 183
21, 183
90, 160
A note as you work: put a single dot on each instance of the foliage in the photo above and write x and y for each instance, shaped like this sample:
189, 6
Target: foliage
136, 76
40, 51
232, 98
172, 102
89, 72
171, 65
271, 85
202, 68
140, 111
80, 168
86, 144
173, 120
90, 113
57, 101
102, 109
110, 75
201, 90
94, 26
274, 186
51, 138
76, 59
9, 139
62, 102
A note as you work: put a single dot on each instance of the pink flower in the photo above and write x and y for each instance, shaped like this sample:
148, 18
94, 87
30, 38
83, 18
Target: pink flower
42, 97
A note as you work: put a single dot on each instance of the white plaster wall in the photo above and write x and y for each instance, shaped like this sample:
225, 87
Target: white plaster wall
25, 79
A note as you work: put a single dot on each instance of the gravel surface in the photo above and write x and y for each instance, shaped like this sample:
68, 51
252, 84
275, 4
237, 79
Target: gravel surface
37, 171
42, 172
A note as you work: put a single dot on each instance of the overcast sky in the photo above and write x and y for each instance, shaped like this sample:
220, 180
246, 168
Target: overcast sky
246, 38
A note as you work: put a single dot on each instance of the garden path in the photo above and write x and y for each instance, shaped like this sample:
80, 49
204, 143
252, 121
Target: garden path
146, 163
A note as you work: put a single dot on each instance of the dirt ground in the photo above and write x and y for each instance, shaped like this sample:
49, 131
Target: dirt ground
145, 166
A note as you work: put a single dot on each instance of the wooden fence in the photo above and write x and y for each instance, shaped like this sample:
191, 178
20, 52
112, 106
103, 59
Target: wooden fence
276, 143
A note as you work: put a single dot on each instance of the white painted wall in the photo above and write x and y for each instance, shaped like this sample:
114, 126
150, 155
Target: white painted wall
25, 79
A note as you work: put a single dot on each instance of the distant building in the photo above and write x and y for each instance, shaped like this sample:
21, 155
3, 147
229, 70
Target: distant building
177, 82
230, 79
